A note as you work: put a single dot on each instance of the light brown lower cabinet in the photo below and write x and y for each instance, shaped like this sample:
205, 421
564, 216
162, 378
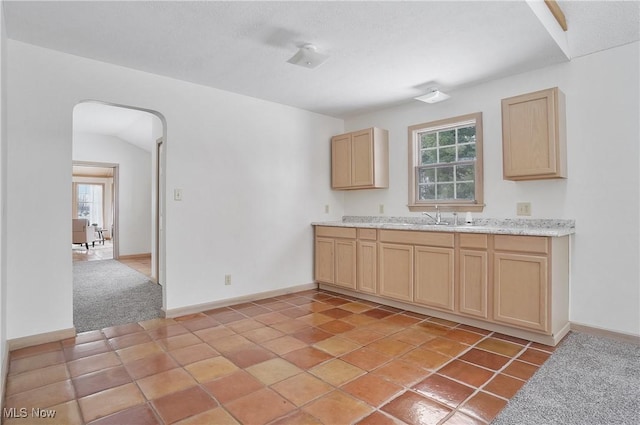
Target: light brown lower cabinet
345, 263
520, 282
367, 265
324, 259
396, 271
521, 290
473, 283
335, 256
434, 271
473, 275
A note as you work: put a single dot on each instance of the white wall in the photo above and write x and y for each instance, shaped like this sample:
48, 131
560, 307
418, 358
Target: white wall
254, 174
135, 214
601, 193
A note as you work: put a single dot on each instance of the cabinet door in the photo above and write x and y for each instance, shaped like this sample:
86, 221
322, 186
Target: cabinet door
345, 263
324, 253
396, 271
473, 283
366, 270
533, 146
362, 158
341, 161
521, 290
434, 277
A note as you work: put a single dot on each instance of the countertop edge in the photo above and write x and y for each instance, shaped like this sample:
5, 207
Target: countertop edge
495, 230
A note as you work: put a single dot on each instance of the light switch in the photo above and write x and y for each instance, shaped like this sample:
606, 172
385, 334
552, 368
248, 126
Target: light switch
177, 194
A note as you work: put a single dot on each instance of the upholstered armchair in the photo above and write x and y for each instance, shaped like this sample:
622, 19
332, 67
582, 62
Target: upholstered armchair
82, 232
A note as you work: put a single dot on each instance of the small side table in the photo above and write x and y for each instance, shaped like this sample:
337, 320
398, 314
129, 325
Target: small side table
100, 232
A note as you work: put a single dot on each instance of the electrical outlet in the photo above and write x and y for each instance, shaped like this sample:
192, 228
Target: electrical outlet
326, 209
177, 194
523, 208
227, 279
381, 208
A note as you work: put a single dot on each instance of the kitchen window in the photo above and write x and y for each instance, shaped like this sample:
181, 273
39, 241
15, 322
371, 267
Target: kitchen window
445, 160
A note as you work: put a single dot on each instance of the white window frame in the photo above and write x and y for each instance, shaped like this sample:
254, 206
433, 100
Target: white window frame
416, 204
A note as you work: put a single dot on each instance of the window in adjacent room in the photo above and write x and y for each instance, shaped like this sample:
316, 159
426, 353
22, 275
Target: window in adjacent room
90, 202
445, 164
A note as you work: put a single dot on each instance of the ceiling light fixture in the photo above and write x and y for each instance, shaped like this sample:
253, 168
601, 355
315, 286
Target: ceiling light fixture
434, 96
308, 57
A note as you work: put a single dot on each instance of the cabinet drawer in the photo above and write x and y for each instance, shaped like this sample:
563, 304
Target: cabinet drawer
336, 232
370, 234
469, 240
417, 238
539, 244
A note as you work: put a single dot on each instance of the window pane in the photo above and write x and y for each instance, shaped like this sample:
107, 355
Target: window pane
429, 156
83, 210
428, 140
448, 154
447, 137
445, 174
427, 192
467, 134
427, 175
90, 202
445, 191
465, 191
466, 152
465, 173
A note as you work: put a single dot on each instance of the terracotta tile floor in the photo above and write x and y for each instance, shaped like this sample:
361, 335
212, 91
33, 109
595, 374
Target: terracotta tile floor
312, 357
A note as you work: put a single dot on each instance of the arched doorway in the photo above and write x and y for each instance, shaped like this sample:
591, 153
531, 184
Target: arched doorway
131, 140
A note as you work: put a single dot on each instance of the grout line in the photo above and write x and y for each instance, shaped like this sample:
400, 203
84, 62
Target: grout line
395, 329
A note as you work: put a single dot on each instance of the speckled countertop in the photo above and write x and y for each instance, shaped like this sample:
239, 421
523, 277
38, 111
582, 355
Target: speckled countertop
526, 227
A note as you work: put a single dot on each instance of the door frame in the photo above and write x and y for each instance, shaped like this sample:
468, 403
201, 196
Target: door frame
160, 179
115, 237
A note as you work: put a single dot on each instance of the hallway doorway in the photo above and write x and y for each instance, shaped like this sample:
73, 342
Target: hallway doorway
129, 230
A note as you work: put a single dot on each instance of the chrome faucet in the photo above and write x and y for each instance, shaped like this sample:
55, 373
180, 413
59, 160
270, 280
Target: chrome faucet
437, 218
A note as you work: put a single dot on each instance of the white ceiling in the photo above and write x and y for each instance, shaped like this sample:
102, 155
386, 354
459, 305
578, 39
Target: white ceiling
128, 124
381, 53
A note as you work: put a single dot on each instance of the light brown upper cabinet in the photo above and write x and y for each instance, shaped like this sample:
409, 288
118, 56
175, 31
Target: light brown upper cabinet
360, 160
534, 136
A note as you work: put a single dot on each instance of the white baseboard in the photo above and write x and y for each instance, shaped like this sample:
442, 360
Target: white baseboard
31, 340
134, 256
607, 333
197, 308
